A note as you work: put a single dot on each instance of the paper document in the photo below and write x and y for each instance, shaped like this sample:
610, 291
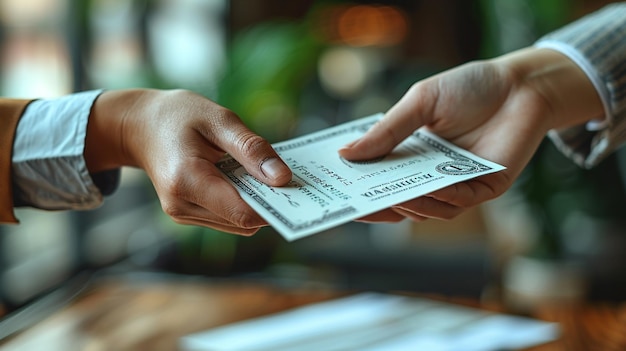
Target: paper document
376, 322
327, 190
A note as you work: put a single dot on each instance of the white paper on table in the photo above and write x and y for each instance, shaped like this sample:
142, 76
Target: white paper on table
327, 190
376, 321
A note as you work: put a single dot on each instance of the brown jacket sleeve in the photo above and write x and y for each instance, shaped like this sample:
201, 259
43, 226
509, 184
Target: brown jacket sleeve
10, 113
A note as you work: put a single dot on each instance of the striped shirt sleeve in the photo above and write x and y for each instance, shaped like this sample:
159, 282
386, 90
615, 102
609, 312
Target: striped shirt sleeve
49, 170
597, 43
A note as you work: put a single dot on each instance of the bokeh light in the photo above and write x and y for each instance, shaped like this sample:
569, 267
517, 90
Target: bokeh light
363, 25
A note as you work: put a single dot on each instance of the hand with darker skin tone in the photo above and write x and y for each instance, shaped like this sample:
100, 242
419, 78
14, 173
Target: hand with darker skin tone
499, 109
176, 137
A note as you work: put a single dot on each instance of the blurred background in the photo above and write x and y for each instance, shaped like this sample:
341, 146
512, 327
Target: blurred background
289, 68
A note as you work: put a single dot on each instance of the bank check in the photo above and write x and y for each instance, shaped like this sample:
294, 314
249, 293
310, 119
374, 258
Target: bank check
327, 190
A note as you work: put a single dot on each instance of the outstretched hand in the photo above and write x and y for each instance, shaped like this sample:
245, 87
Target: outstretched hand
499, 110
177, 137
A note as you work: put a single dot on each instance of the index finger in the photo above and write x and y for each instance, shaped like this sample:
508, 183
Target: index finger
406, 116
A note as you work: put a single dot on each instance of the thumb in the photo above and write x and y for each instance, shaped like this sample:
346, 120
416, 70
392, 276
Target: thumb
397, 124
257, 156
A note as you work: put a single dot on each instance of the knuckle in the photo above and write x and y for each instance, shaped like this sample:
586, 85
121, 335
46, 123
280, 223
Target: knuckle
176, 95
243, 220
175, 186
172, 209
250, 144
240, 217
172, 195
223, 114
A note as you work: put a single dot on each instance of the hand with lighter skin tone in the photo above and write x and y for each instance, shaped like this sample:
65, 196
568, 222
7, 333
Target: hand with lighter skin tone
499, 109
176, 137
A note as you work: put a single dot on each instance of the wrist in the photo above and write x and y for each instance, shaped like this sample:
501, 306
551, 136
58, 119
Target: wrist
568, 95
106, 142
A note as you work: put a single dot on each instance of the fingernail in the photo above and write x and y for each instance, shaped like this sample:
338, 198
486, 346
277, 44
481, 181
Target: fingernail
273, 168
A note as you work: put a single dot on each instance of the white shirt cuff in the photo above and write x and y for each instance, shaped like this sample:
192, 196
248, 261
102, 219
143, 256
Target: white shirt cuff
49, 170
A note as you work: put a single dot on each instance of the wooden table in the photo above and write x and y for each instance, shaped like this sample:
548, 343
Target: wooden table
125, 315
591, 327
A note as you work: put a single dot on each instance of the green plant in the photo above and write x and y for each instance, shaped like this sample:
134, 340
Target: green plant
268, 65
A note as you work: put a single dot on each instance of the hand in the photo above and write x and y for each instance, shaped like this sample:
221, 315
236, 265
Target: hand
177, 137
499, 109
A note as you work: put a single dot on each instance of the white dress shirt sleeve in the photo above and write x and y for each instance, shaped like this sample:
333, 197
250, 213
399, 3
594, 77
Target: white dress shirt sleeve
49, 170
